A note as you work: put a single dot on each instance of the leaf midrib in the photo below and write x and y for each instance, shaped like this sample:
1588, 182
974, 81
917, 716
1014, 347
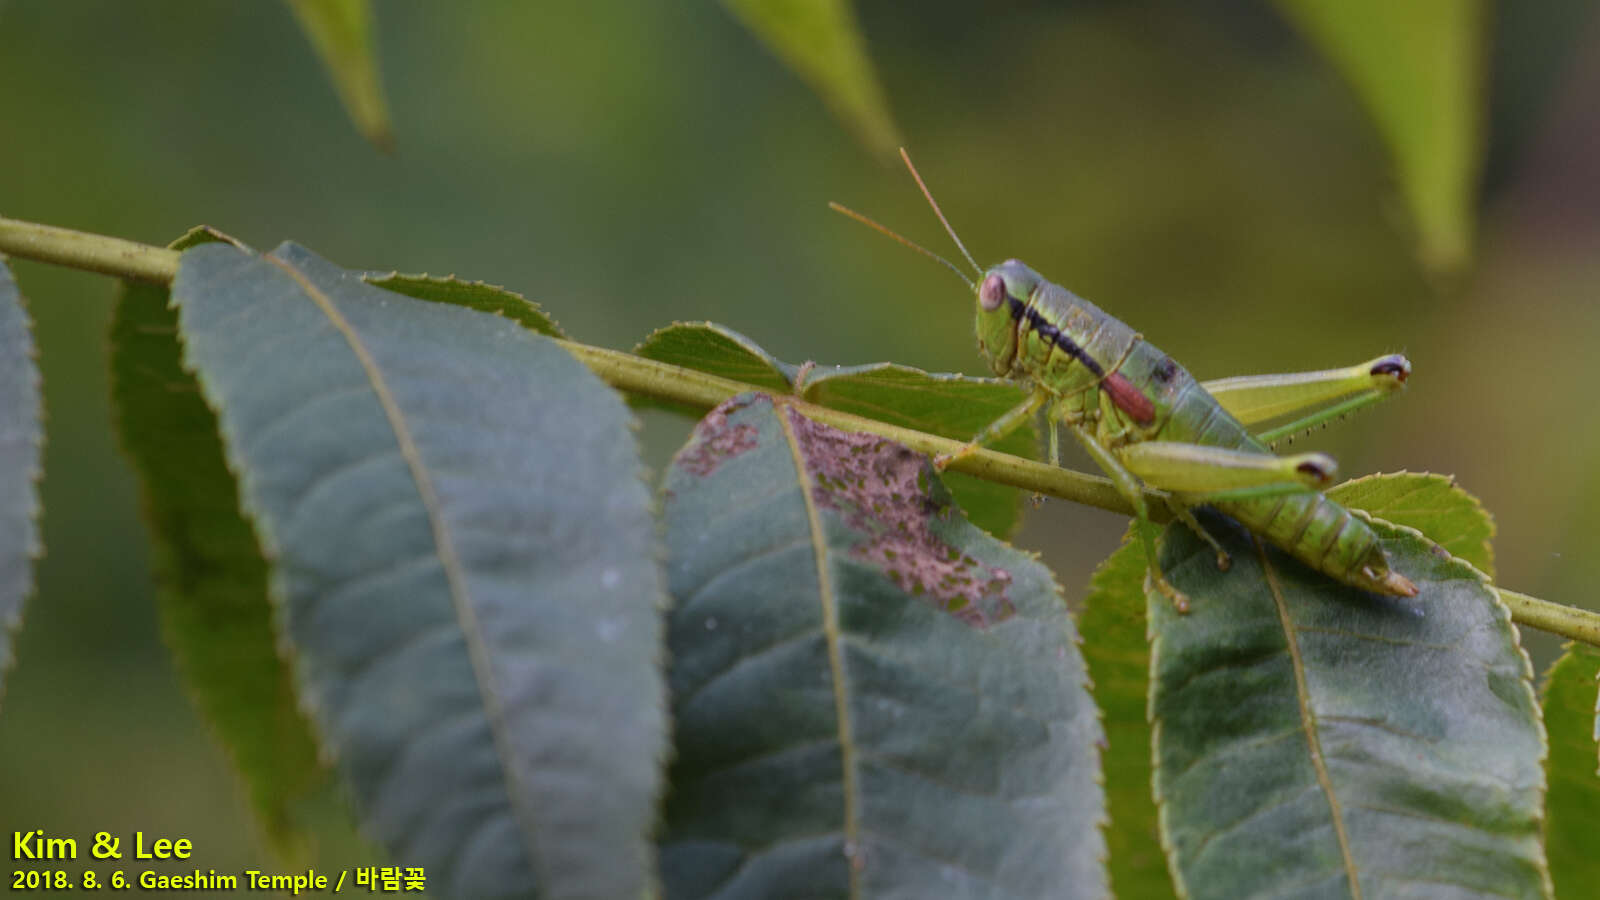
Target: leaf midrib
835, 641
449, 559
1308, 720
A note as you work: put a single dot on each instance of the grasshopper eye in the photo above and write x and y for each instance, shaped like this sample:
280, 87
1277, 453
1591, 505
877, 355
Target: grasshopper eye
992, 293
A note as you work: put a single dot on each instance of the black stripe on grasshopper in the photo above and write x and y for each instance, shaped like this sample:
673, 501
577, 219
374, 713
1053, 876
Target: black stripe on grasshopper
1123, 392
1048, 331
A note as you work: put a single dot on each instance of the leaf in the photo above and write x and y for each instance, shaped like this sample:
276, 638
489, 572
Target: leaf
1116, 649
952, 406
341, 32
21, 462
1433, 505
1573, 803
476, 295
821, 41
465, 558
716, 350
1118, 654
210, 575
873, 698
1530, 58
1419, 69
1309, 734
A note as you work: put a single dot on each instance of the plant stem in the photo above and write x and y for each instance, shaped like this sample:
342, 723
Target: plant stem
634, 374
663, 381
1567, 621
94, 252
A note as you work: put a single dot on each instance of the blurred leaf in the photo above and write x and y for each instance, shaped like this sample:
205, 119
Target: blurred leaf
21, 449
1574, 799
1531, 59
716, 350
1419, 68
211, 579
872, 696
465, 556
952, 406
341, 30
1433, 505
821, 41
1309, 733
476, 295
1118, 653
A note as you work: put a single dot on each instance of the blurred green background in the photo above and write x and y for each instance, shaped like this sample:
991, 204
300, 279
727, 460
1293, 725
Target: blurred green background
1196, 169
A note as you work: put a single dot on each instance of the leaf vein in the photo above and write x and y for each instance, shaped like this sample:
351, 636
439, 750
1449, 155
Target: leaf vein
455, 573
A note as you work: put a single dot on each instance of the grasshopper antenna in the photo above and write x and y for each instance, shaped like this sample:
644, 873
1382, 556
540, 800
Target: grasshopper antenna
840, 208
939, 212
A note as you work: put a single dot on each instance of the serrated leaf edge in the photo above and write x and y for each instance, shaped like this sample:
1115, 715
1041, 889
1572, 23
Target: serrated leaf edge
784, 370
381, 279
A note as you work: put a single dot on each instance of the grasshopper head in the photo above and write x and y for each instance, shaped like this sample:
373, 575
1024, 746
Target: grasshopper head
1003, 294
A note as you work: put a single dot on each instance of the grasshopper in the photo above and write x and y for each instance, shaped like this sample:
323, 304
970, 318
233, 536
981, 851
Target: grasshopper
1145, 420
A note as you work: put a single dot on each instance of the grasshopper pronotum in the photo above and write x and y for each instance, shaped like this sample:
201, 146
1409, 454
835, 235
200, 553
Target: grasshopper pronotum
1146, 421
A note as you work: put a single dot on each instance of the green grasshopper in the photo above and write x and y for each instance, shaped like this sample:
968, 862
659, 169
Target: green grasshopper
1146, 421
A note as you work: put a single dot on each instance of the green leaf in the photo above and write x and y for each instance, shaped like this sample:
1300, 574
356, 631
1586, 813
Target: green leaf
820, 40
1419, 69
952, 406
1433, 505
341, 31
1117, 651
1118, 654
1573, 804
716, 350
21, 461
210, 575
872, 697
476, 295
465, 558
1310, 735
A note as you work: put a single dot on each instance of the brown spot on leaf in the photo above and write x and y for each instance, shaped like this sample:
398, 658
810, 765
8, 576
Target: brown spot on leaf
716, 440
876, 485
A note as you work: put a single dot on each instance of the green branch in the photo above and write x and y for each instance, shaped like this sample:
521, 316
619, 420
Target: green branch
94, 252
664, 381
636, 375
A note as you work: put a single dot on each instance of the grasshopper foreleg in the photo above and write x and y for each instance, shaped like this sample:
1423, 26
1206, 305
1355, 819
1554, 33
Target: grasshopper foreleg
1052, 429
1008, 422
